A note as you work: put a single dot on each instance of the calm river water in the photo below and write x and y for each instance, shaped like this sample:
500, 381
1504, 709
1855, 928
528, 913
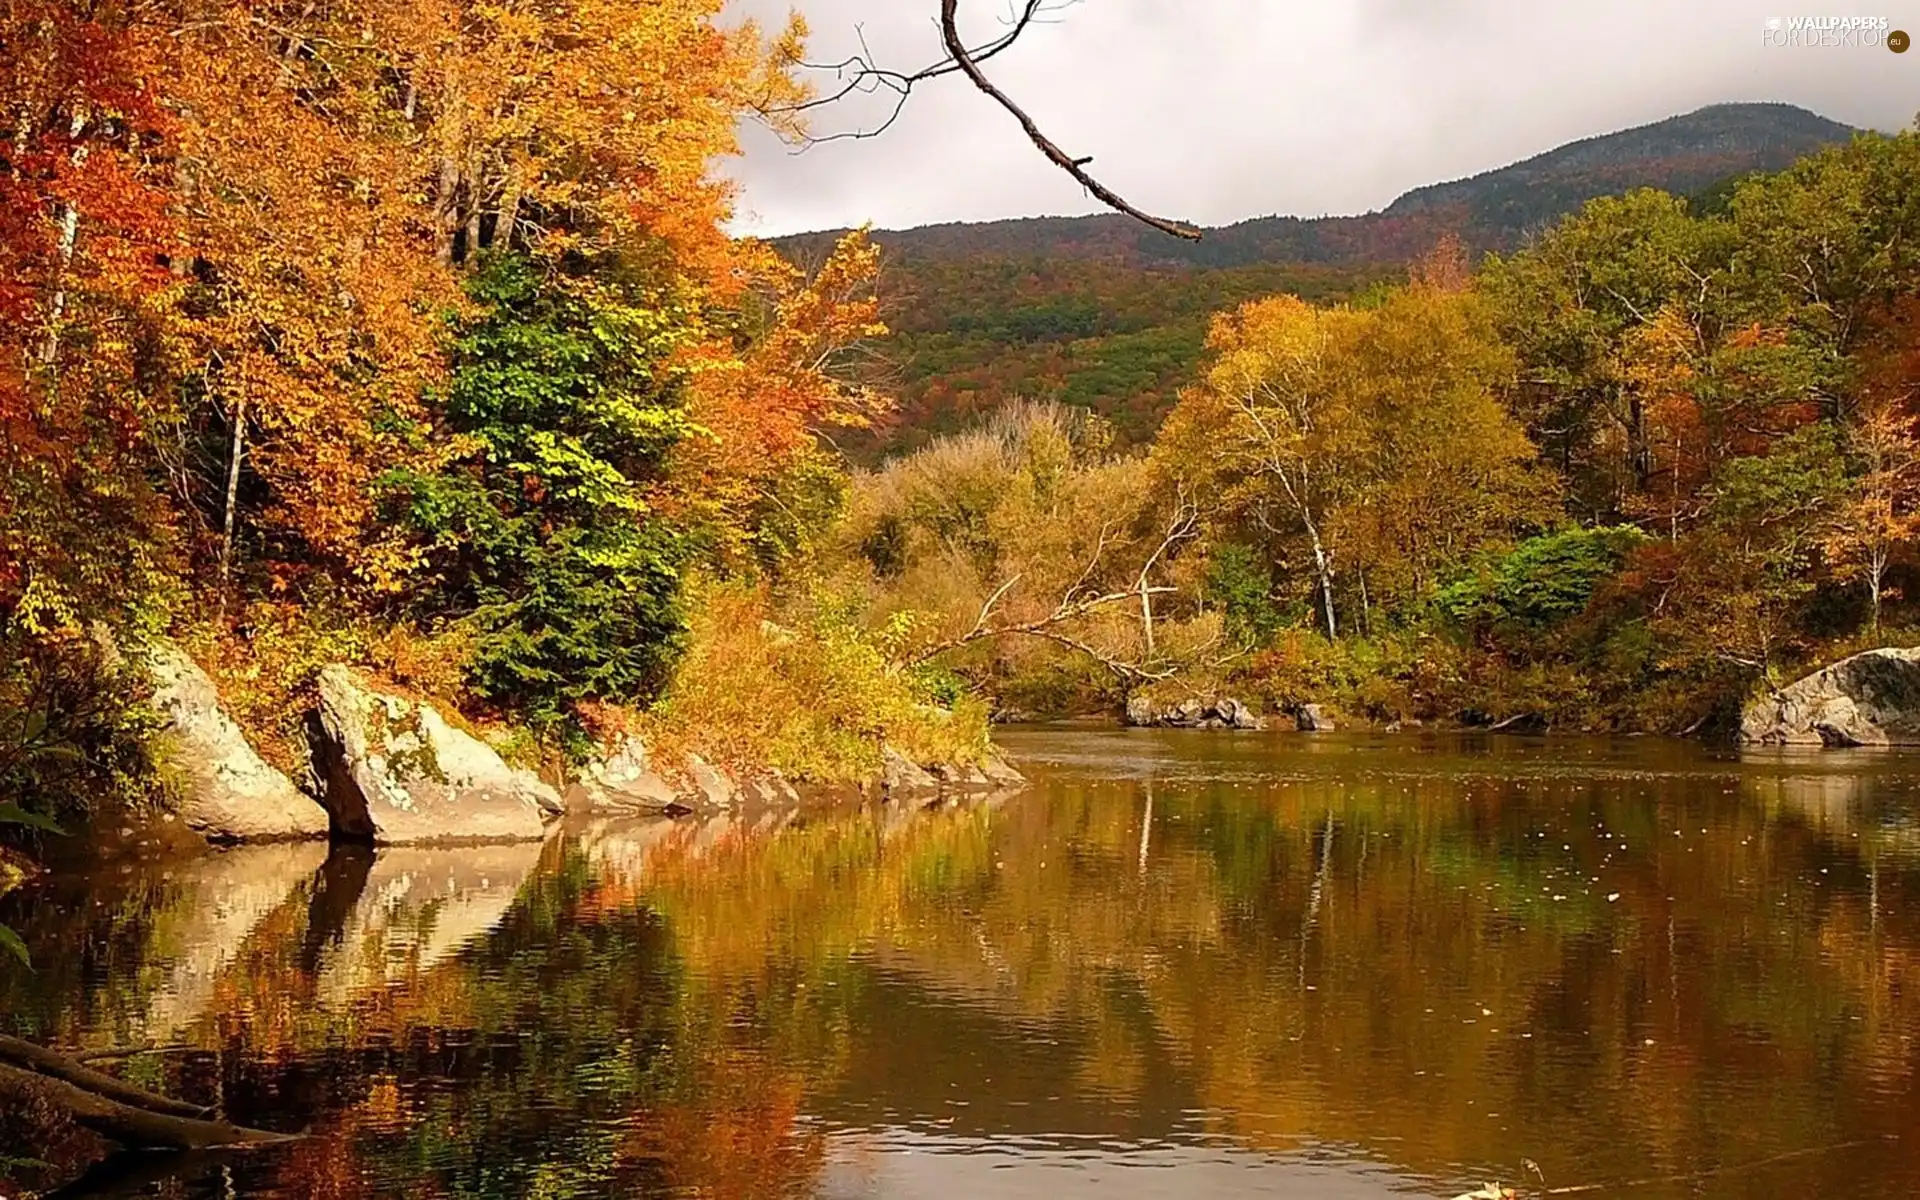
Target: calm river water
1180, 964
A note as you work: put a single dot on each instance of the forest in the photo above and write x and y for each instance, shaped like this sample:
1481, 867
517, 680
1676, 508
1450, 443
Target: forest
408, 335
1659, 459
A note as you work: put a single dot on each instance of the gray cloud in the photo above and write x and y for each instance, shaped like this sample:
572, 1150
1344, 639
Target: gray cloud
1217, 110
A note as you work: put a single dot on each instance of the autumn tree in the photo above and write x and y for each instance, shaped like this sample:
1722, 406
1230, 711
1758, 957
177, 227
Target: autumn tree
1446, 473
1272, 424
1876, 518
1376, 434
83, 316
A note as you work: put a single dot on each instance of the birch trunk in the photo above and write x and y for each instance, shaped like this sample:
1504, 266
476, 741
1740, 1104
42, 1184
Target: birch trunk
233, 492
1323, 568
69, 241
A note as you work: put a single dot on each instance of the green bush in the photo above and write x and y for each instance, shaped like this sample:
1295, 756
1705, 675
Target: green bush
1543, 581
540, 540
1240, 583
78, 736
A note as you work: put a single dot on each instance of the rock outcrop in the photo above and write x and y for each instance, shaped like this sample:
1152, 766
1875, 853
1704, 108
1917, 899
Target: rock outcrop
1222, 712
712, 787
901, 776
622, 782
391, 770
625, 782
229, 793
898, 773
1313, 718
1871, 699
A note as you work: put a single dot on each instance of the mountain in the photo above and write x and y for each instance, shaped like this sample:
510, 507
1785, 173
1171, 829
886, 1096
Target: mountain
1103, 312
1684, 155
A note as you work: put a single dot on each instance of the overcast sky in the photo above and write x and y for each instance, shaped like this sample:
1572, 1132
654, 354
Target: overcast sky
1216, 110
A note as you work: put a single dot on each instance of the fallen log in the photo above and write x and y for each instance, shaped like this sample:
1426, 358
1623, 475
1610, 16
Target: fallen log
116, 1109
54, 1065
131, 1126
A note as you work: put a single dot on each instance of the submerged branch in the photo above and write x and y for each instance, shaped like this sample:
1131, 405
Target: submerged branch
116, 1109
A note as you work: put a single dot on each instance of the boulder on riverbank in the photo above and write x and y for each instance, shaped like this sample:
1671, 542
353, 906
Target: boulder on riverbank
621, 782
624, 782
1871, 699
391, 770
901, 776
1314, 718
229, 793
1214, 712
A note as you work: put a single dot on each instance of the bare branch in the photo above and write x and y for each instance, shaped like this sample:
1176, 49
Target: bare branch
1075, 167
1047, 629
860, 75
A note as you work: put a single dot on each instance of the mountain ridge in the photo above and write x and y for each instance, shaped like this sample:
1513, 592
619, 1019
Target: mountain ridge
1492, 209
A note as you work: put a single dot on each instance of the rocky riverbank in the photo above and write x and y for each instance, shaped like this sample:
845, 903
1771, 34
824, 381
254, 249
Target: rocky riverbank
391, 769
1870, 699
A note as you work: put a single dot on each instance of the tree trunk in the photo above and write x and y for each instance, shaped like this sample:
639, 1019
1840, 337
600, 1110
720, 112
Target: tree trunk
509, 214
1146, 614
1323, 569
233, 492
476, 204
69, 241
39, 1059
131, 1125
448, 210
1876, 575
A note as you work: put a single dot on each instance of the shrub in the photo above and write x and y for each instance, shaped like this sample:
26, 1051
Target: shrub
78, 736
815, 698
1541, 582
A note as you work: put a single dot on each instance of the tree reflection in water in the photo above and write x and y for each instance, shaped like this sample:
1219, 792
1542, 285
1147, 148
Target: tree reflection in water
1237, 964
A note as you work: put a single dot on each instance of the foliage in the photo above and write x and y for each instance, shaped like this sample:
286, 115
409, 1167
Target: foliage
541, 538
1240, 581
77, 736
1542, 581
815, 698
1368, 444
1016, 523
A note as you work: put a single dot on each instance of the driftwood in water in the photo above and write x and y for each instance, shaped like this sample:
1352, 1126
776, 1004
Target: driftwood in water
114, 1108
43, 1061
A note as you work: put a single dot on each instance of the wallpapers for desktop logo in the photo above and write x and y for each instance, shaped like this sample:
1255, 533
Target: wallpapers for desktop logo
1833, 32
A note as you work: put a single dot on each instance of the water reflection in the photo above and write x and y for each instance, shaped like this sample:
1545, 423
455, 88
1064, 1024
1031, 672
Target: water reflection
1228, 964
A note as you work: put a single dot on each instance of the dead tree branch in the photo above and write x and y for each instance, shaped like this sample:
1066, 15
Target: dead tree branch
1079, 601
1185, 524
1047, 628
859, 74
1075, 167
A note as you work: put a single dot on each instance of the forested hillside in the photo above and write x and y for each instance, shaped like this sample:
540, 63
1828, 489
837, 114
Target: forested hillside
1099, 312
1622, 478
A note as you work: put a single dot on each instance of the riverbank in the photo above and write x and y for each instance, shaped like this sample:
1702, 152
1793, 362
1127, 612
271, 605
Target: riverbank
380, 762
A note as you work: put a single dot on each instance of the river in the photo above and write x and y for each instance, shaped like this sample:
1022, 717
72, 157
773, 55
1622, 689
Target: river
1179, 964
